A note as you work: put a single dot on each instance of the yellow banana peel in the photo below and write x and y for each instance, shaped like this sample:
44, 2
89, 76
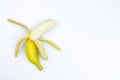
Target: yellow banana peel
33, 42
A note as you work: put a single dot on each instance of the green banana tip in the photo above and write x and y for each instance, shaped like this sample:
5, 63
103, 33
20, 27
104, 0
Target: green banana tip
39, 66
8, 19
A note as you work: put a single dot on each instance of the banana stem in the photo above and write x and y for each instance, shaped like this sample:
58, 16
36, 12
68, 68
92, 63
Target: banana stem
20, 24
39, 66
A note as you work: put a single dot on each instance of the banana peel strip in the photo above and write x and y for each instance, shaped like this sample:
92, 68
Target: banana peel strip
41, 49
40, 29
18, 44
51, 43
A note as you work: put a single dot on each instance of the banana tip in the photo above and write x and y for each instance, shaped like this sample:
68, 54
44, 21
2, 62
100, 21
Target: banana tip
8, 19
39, 66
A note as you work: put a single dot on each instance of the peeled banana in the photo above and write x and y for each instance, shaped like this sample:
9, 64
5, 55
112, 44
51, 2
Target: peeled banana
33, 42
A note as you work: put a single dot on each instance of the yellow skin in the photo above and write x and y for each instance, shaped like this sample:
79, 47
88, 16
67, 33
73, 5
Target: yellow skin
31, 53
33, 42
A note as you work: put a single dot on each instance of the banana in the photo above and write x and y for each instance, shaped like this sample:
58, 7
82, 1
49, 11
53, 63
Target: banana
31, 53
33, 42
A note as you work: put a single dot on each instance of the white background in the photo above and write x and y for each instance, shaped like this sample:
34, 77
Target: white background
88, 31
